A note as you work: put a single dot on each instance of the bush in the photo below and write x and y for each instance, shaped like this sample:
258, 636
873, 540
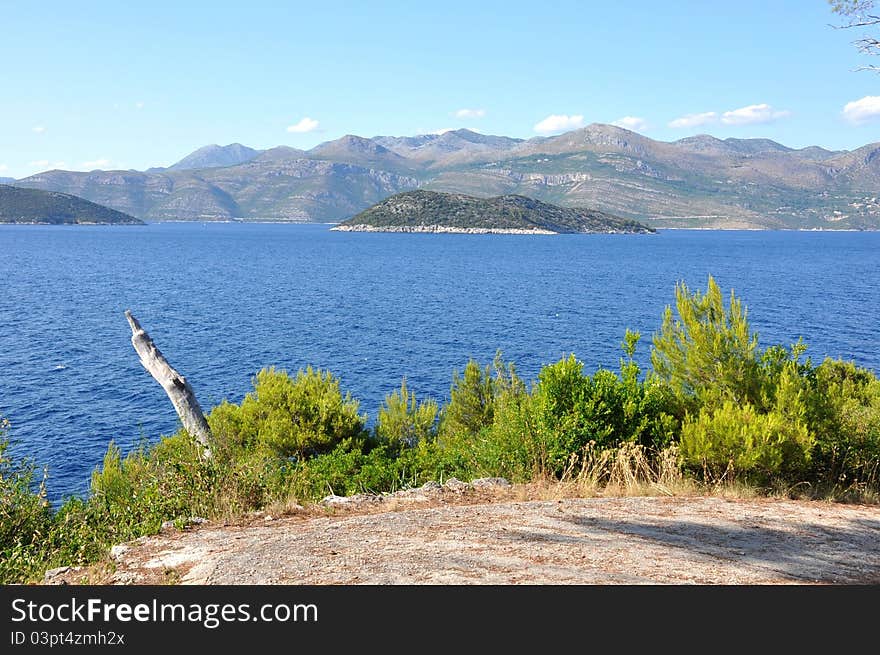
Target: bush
25, 517
844, 413
708, 354
471, 404
572, 410
403, 422
290, 418
733, 440
133, 495
485, 429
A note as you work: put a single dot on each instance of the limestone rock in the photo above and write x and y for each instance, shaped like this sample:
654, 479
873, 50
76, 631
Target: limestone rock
485, 483
457, 486
51, 576
118, 551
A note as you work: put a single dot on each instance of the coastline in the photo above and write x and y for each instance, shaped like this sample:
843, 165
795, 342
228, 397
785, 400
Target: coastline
437, 229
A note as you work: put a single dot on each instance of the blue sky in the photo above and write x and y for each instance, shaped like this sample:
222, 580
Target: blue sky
132, 85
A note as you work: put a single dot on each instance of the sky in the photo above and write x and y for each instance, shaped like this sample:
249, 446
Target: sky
117, 85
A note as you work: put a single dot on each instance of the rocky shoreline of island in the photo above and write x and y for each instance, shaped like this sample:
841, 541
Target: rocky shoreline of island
437, 229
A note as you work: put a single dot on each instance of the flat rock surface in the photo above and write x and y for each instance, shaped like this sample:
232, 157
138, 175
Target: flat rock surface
620, 540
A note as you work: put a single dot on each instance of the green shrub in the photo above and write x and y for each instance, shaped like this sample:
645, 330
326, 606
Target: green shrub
572, 410
844, 413
485, 429
505, 449
708, 354
346, 471
734, 440
25, 517
559, 409
289, 417
133, 495
403, 422
471, 404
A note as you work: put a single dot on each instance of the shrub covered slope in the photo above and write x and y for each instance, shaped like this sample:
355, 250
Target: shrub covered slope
714, 409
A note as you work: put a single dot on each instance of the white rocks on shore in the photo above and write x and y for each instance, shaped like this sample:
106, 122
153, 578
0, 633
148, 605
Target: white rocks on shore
437, 229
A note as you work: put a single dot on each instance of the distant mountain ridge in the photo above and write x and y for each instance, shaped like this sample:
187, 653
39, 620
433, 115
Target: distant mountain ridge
30, 206
432, 211
698, 181
214, 156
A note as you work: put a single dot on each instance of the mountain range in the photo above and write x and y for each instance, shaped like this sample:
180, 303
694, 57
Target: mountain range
699, 181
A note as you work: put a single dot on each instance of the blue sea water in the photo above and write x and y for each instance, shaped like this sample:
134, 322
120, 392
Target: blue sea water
223, 300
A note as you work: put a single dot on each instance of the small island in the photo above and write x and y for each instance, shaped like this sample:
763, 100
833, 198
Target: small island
431, 211
35, 207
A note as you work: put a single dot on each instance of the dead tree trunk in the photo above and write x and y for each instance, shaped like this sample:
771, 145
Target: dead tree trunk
175, 385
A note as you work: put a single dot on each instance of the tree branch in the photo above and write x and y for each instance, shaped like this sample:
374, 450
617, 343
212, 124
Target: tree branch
175, 385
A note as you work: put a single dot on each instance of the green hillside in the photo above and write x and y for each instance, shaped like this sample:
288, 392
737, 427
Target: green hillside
420, 210
48, 207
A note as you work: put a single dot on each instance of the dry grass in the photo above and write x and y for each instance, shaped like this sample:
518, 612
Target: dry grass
628, 470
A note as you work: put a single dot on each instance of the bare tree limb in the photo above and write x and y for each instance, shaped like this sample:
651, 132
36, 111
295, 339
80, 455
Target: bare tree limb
175, 385
861, 15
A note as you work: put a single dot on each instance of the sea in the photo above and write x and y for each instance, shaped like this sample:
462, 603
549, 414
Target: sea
224, 300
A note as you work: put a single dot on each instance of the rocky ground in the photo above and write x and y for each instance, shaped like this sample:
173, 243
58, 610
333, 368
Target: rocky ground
488, 532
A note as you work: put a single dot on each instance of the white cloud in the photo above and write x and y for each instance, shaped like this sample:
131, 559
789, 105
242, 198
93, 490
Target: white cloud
98, 163
862, 110
3, 167
139, 105
470, 113
694, 120
633, 123
39, 163
38, 129
753, 115
556, 123
306, 124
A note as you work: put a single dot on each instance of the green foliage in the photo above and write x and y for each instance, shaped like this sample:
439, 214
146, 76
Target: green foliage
486, 429
560, 402
167, 481
573, 410
20, 205
649, 406
707, 354
133, 495
289, 417
403, 422
476, 396
745, 411
471, 401
844, 412
735, 440
428, 208
25, 518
